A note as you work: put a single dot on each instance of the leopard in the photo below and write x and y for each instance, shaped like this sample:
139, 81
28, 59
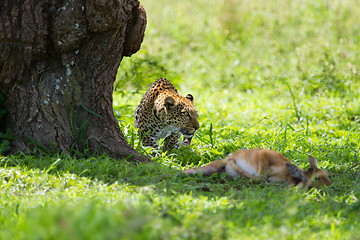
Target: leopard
164, 113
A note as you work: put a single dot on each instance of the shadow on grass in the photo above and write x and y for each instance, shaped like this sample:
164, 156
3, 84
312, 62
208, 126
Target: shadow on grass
109, 171
244, 201
158, 174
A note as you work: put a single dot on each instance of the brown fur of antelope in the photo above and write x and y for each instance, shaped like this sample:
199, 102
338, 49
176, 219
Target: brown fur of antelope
265, 164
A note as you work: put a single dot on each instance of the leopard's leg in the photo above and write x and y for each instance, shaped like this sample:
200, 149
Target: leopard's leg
187, 141
172, 141
149, 141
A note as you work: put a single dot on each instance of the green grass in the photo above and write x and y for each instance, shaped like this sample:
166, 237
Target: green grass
273, 74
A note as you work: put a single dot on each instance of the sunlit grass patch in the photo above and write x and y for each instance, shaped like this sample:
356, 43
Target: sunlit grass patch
274, 74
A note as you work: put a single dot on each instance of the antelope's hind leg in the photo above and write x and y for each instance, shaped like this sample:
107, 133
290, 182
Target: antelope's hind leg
235, 171
217, 166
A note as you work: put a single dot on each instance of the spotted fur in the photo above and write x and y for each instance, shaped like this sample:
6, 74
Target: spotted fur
164, 113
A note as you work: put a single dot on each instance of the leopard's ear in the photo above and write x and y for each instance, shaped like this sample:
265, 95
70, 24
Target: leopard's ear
169, 102
190, 97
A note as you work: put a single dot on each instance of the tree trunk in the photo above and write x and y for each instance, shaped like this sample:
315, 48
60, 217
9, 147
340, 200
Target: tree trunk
58, 62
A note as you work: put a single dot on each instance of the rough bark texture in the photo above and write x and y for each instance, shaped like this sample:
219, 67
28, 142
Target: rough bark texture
58, 62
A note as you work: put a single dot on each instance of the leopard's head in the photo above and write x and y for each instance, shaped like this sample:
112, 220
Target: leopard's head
179, 112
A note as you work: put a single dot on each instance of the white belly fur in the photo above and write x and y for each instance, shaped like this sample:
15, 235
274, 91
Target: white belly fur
247, 167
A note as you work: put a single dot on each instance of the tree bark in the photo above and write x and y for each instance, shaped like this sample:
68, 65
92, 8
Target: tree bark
58, 62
